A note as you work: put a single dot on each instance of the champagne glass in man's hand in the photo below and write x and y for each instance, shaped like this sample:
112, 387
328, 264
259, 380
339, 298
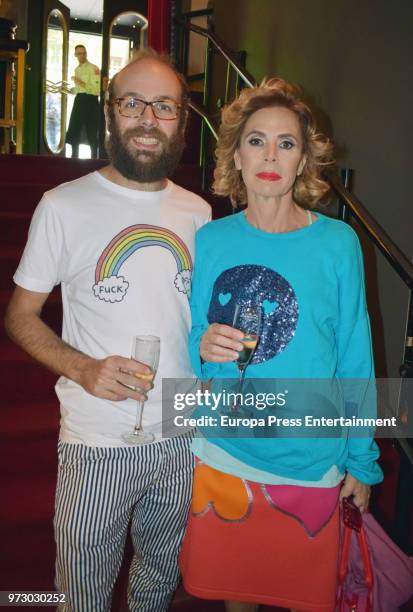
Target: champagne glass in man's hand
146, 350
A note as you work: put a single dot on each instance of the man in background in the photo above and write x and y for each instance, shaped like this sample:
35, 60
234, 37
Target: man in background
83, 124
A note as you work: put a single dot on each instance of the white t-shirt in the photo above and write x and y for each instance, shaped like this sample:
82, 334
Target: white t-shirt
124, 260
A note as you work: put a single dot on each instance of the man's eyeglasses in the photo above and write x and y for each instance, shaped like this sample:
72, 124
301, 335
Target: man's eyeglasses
135, 107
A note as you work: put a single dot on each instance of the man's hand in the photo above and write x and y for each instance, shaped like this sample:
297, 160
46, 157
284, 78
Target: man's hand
359, 490
115, 378
78, 81
221, 343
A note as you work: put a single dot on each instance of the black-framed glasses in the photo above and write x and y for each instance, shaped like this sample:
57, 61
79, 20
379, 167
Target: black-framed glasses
135, 107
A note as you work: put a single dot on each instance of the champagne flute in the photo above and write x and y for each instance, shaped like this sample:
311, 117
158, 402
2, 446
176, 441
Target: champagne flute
145, 349
247, 318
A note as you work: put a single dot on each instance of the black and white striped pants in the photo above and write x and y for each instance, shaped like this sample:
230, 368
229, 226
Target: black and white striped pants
100, 493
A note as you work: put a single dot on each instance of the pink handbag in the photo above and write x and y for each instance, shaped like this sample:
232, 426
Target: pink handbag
374, 574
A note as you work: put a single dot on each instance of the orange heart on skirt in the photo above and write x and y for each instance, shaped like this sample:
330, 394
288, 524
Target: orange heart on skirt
228, 496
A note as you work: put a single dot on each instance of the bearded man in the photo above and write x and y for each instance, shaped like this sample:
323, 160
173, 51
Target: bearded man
120, 242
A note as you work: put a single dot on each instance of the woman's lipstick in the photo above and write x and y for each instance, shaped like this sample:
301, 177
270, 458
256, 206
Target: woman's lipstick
268, 176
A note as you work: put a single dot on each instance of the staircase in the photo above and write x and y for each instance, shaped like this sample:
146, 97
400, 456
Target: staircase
29, 418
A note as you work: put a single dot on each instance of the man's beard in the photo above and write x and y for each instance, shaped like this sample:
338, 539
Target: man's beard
141, 165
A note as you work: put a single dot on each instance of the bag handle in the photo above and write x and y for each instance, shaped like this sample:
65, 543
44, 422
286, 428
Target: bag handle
352, 520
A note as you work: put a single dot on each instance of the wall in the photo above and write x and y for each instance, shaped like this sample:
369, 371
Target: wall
354, 60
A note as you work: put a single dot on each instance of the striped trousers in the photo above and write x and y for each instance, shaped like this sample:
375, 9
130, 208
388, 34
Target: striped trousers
101, 493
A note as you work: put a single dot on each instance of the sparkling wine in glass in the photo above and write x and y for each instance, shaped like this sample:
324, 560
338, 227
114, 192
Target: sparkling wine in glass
145, 349
247, 318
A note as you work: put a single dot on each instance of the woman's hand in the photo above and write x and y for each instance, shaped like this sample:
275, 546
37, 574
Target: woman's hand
221, 343
359, 491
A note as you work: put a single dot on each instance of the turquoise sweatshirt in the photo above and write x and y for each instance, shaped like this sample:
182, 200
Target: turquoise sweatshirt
310, 284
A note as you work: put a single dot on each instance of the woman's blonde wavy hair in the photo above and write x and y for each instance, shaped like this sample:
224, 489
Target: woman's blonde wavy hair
309, 187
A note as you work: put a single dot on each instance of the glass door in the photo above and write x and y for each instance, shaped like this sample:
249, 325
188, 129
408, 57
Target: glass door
55, 85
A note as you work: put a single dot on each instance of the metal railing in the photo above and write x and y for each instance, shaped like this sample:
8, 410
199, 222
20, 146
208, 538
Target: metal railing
220, 46
199, 110
234, 64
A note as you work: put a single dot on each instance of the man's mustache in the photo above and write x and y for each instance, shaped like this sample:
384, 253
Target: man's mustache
140, 131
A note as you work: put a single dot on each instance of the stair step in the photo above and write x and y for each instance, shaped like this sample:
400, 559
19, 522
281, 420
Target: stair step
22, 197
35, 169
29, 567
14, 228
24, 380
27, 457
28, 498
20, 420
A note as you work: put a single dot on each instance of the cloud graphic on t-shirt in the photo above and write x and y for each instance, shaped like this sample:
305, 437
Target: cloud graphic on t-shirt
111, 289
183, 281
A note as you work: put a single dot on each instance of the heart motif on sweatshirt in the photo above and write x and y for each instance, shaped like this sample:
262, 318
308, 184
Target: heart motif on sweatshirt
224, 298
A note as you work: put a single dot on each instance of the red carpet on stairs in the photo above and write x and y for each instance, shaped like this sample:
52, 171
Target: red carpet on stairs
29, 417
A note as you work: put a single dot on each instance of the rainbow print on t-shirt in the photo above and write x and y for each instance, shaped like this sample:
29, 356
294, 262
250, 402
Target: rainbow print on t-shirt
110, 286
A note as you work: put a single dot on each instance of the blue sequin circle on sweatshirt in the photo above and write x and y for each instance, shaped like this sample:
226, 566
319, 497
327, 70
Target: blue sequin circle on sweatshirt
252, 284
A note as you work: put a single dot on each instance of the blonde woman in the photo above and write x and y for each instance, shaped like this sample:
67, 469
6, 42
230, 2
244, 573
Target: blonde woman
263, 527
